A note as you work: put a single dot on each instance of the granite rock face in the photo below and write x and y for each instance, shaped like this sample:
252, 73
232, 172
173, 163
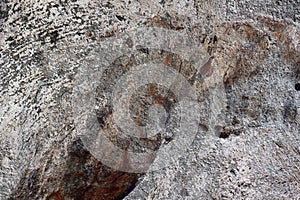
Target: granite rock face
247, 144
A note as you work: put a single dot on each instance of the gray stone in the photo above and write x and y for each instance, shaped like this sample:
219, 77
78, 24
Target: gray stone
247, 142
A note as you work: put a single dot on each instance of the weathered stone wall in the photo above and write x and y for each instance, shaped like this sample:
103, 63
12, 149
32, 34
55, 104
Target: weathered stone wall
245, 148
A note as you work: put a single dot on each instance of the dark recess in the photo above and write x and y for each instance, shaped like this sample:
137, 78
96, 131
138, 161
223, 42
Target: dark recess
297, 86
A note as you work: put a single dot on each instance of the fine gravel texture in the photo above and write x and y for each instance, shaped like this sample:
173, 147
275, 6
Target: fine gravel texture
247, 143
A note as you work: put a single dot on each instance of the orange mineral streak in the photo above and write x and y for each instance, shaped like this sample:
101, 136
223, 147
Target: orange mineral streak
166, 60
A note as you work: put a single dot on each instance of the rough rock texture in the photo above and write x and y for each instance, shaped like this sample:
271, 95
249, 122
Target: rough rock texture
247, 148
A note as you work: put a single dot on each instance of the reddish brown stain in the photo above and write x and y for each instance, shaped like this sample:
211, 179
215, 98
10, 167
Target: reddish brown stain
113, 187
55, 196
247, 30
166, 60
164, 22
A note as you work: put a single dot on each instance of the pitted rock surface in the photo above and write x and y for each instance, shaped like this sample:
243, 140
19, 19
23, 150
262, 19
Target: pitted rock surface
252, 153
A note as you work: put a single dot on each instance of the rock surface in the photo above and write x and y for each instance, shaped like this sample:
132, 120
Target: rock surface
247, 144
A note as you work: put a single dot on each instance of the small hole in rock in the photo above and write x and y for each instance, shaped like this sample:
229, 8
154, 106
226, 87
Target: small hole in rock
54, 36
224, 134
168, 139
232, 171
297, 86
120, 18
